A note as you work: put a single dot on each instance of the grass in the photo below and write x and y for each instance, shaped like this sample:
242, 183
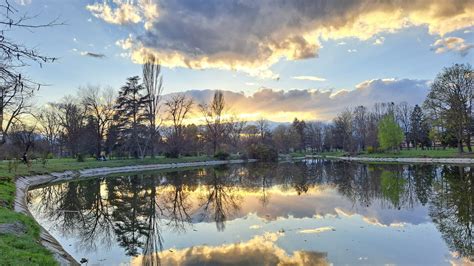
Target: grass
22, 249
412, 153
25, 249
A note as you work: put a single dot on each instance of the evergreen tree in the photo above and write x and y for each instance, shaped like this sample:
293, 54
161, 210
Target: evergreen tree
419, 128
131, 117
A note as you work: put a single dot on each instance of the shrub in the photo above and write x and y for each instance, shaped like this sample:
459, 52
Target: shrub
371, 149
262, 152
222, 155
172, 154
81, 158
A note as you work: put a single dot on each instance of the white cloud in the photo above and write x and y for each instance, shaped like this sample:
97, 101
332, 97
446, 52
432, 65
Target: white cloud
352, 50
455, 44
379, 41
312, 78
23, 2
124, 11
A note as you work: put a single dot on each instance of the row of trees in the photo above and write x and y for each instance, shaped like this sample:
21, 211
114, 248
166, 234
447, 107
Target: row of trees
138, 122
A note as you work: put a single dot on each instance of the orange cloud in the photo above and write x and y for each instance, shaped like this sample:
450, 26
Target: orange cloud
260, 250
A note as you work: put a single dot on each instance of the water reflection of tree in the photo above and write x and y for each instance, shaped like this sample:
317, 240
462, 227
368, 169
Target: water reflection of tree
176, 202
135, 209
452, 208
79, 207
127, 197
153, 243
220, 201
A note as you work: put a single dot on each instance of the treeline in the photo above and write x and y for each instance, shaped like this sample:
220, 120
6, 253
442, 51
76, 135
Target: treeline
137, 122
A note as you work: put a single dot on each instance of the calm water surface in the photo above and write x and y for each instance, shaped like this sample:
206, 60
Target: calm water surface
312, 213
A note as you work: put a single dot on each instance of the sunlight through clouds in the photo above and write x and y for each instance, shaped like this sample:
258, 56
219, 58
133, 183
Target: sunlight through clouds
251, 36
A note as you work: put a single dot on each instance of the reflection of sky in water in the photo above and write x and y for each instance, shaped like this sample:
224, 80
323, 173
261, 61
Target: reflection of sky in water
271, 224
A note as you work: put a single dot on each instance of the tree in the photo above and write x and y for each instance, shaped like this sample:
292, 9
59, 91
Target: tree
450, 98
213, 115
15, 88
263, 128
343, 131
403, 111
153, 83
360, 127
72, 120
131, 115
300, 128
50, 126
390, 134
99, 105
419, 128
178, 107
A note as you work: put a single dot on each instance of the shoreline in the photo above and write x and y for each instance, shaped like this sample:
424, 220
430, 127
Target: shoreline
23, 184
395, 160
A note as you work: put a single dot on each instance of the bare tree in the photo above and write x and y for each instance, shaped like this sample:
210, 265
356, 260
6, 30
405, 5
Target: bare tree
178, 107
153, 83
213, 115
15, 88
403, 112
451, 96
49, 125
263, 128
72, 119
99, 105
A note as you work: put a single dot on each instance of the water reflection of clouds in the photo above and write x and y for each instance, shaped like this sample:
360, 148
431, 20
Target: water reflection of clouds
142, 210
260, 250
327, 202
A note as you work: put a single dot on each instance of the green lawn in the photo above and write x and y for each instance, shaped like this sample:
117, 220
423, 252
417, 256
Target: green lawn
412, 153
419, 153
25, 249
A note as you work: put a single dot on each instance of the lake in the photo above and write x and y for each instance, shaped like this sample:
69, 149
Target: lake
315, 212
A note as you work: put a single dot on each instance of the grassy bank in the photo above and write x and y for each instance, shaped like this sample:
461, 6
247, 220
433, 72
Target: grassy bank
23, 248
412, 153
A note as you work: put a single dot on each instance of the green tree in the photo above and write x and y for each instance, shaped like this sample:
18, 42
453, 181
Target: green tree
390, 134
131, 117
419, 128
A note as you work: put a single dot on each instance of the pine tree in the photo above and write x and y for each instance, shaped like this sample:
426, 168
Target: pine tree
419, 128
131, 117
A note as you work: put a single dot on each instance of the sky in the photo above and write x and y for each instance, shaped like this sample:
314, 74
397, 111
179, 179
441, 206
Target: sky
273, 58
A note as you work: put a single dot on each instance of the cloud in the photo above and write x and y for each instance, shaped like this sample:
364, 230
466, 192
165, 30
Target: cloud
317, 230
260, 250
284, 106
125, 12
23, 2
379, 41
352, 50
91, 54
251, 36
455, 44
312, 78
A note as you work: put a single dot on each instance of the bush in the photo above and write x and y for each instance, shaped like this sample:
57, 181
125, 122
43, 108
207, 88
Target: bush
222, 155
172, 154
262, 152
81, 158
371, 149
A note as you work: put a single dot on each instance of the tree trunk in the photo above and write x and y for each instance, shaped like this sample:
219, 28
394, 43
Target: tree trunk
460, 147
468, 142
